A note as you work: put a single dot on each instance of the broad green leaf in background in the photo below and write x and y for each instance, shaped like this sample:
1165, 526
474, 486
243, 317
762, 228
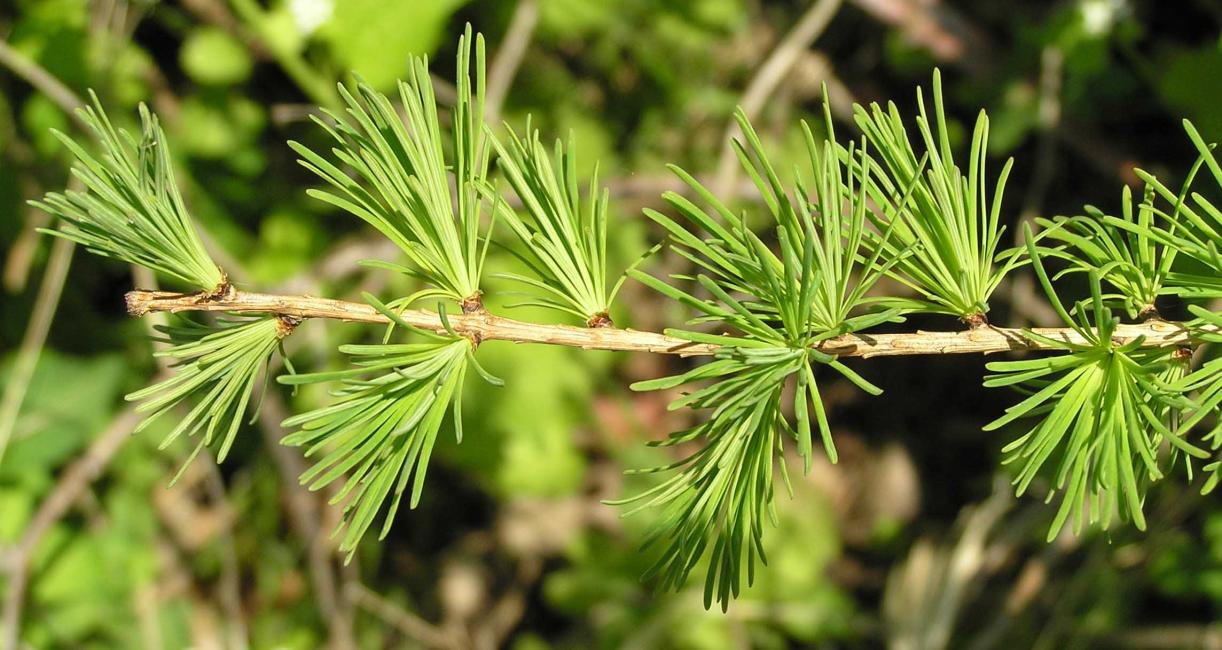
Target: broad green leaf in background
212, 57
374, 38
1188, 83
41, 117
221, 126
69, 400
527, 446
796, 598
54, 33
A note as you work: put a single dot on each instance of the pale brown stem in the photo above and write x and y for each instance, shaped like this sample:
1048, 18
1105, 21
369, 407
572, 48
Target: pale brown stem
483, 326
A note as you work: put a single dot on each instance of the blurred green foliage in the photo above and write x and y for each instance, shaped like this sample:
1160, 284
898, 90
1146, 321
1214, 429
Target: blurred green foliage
638, 84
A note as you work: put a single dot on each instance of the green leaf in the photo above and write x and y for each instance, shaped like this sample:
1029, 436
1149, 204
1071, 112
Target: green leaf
564, 233
1101, 413
378, 437
217, 369
402, 184
50, 429
376, 38
948, 218
132, 209
211, 56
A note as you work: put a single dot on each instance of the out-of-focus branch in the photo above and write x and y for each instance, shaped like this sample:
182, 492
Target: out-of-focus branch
302, 509
1048, 122
216, 12
310, 81
507, 611
932, 25
1025, 300
925, 593
509, 57
43, 81
35, 337
23, 251
407, 623
60, 260
769, 76
230, 588
951, 37
1169, 637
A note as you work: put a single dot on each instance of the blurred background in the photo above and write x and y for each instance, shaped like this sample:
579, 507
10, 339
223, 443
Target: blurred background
913, 540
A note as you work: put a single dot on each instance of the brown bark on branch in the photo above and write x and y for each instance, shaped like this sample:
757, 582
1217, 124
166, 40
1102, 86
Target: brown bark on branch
483, 326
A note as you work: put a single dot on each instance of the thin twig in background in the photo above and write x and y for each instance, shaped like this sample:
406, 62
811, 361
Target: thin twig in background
287, 113
23, 252
410, 625
812, 73
1048, 123
931, 25
769, 76
58, 262
509, 58
445, 90
950, 37
230, 588
1169, 637
79, 475
217, 13
319, 89
1024, 297
16, 268
924, 595
302, 509
198, 513
507, 611
144, 603
1033, 578
35, 337
349, 573
34, 74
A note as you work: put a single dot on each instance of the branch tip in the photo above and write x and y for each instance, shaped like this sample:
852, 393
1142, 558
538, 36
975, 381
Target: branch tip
137, 302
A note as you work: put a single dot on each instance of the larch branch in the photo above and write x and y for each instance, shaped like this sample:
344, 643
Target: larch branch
484, 326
